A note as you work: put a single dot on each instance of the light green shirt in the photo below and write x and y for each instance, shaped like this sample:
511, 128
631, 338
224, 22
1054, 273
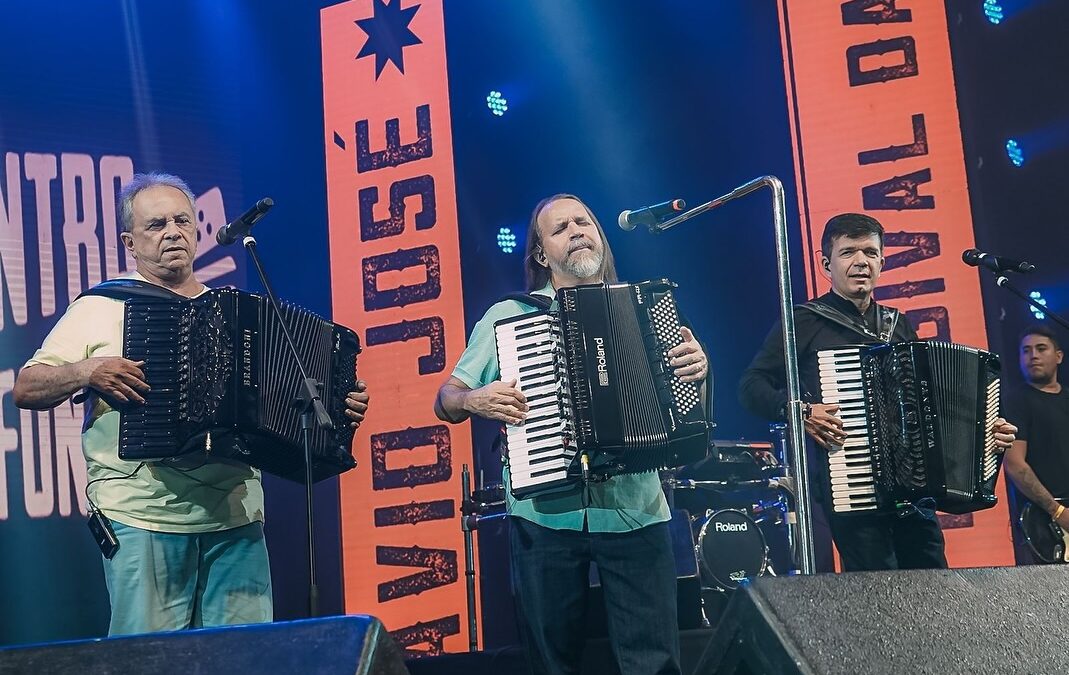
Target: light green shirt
187, 497
622, 503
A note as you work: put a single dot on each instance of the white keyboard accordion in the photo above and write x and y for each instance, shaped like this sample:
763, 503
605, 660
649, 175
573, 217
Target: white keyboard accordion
918, 417
603, 399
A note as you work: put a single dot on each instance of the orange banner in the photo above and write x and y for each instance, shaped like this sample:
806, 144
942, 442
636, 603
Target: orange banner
874, 122
395, 274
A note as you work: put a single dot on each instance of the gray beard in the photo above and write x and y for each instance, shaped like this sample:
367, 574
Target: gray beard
583, 266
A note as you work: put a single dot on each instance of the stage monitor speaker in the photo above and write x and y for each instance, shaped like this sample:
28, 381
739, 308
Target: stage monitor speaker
335, 645
992, 620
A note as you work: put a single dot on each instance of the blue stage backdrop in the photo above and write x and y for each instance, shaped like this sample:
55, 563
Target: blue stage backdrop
77, 123
624, 103
228, 94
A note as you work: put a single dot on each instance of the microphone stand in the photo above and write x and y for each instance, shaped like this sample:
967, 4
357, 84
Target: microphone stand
472, 513
468, 523
310, 407
802, 522
1003, 281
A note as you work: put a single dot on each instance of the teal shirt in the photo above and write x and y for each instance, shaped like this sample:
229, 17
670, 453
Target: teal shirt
620, 504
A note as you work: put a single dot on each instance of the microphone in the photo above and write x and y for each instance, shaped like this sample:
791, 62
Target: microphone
238, 229
650, 215
996, 263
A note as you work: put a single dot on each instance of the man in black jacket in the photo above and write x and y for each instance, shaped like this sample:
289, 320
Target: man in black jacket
852, 258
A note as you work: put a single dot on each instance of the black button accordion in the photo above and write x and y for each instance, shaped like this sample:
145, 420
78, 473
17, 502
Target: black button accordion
596, 377
223, 382
918, 417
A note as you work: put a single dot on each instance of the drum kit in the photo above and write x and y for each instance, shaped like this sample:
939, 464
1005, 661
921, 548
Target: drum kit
738, 502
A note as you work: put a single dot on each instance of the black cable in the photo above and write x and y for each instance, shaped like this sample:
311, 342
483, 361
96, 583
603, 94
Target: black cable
92, 505
187, 474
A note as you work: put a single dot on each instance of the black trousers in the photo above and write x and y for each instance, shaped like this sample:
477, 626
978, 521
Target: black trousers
551, 579
912, 540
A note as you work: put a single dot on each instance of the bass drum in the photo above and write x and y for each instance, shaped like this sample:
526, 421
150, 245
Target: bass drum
731, 548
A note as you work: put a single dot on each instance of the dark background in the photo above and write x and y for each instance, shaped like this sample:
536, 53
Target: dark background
623, 102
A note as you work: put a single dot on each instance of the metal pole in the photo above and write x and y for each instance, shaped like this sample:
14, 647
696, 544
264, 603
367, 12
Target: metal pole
796, 439
798, 461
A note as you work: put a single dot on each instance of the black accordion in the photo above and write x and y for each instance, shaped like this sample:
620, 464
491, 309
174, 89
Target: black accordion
918, 417
603, 400
224, 381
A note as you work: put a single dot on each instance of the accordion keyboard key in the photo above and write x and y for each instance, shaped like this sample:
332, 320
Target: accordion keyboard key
537, 452
850, 466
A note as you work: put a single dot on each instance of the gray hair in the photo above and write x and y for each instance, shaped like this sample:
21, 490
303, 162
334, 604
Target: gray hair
144, 181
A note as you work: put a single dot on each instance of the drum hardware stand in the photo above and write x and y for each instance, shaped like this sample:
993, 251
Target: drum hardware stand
782, 509
471, 513
803, 521
469, 521
313, 414
779, 433
686, 483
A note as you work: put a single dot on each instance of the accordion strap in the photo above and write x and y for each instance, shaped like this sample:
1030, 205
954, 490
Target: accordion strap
886, 319
533, 299
125, 289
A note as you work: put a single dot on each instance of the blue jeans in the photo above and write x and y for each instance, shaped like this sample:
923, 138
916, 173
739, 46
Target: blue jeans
160, 581
550, 574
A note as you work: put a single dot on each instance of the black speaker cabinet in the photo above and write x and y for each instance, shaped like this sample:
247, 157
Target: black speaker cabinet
993, 620
336, 645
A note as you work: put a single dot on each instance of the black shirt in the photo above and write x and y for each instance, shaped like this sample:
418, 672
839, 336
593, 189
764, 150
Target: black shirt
763, 387
1042, 420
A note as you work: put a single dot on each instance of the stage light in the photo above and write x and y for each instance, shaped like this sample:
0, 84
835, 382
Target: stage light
999, 12
506, 239
497, 103
1015, 152
993, 11
1038, 297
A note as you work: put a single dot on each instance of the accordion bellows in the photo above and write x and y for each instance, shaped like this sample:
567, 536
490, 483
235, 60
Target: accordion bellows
918, 417
224, 382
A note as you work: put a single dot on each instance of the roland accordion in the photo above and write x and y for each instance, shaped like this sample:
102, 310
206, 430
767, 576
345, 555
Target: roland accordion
603, 400
223, 382
918, 418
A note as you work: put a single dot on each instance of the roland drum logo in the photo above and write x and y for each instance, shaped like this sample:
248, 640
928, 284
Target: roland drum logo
603, 368
731, 527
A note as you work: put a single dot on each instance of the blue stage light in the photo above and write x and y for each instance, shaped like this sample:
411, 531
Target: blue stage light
497, 103
1015, 152
993, 11
1038, 297
506, 239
